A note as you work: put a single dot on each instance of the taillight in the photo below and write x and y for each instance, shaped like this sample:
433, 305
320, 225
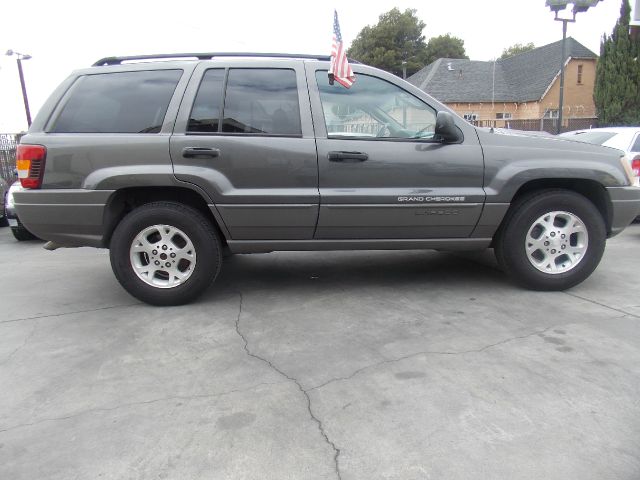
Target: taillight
635, 165
30, 165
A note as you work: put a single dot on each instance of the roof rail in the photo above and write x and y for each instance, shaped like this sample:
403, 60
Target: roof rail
207, 56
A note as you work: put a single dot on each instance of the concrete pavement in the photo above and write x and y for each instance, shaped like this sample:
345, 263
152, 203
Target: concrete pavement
351, 365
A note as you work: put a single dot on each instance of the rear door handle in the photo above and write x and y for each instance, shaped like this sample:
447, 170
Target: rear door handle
347, 156
193, 152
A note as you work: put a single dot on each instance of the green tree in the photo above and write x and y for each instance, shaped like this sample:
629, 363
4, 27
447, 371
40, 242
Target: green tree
616, 93
517, 48
397, 37
444, 46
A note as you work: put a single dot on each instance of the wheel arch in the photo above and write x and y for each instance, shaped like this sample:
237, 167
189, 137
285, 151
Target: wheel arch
127, 199
592, 190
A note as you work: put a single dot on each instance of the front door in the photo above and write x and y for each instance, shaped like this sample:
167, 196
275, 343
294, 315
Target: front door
382, 174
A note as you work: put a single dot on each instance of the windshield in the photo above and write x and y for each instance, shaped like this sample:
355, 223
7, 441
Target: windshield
597, 138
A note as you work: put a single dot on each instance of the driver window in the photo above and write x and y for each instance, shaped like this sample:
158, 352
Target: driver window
373, 107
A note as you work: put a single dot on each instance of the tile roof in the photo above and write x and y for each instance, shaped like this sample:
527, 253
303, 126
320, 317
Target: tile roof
520, 78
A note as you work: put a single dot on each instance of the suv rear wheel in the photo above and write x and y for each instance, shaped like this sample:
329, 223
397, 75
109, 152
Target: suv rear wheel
551, 240
165, 253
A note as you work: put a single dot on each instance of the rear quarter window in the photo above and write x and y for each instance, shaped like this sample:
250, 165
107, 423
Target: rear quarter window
119, 102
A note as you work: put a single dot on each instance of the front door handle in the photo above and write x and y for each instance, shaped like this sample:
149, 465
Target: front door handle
194, 152
347, 156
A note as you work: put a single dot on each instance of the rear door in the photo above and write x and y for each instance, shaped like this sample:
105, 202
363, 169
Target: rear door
381, 172
244, 135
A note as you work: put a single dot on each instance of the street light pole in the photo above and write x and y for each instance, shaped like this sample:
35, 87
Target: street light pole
562, 61
556, 6
23, 85
24, 91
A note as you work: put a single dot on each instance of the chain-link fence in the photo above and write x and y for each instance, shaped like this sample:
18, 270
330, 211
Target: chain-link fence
549, 125
8, 145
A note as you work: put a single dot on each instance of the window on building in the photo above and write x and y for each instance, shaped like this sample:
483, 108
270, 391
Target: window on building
262, 101
470, 117
122, 102
551, 113
579, 74
504, 115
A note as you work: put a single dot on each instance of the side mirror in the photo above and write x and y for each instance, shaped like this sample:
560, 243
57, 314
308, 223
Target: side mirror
446, 128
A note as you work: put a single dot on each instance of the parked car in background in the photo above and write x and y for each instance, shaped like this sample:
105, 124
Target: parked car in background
3, 201
19, 231
626, 139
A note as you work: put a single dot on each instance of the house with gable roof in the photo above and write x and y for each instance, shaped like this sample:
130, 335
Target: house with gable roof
524, 86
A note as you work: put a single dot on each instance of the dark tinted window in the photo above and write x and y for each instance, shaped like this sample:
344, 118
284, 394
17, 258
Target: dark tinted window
207, 107
127, 102
262, 101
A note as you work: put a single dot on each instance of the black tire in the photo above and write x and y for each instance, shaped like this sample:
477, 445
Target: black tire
22, 234
3, 221
510, 247
199, 230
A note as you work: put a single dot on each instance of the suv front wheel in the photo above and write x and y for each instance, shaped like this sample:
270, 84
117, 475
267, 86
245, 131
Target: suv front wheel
551, 240
165, 253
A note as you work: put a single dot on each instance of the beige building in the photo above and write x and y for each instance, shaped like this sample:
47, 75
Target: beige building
523, 87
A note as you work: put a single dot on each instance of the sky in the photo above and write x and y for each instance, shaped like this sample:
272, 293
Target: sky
65, 35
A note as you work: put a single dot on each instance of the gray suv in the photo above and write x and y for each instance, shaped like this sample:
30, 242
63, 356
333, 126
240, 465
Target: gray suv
169, 163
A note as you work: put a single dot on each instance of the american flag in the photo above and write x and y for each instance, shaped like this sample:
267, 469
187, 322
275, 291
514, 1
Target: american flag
339, 69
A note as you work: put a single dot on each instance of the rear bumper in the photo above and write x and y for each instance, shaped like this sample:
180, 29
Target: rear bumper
625, 203
68, 217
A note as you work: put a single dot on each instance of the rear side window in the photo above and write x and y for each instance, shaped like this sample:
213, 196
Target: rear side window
636, 145
123, 102
262, 101
207, 107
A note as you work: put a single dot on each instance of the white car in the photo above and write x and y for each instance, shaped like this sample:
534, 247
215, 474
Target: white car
17, 228
626, 139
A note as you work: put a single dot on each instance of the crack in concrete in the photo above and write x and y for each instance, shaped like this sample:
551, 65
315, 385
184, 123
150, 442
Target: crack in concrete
328, 441
62, 314
20, 347
429, 352
604, 305
134, 404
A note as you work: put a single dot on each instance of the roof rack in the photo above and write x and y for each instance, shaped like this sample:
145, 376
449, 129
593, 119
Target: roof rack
207, 56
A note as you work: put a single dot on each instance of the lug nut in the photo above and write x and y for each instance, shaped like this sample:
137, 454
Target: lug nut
157, 262
172, 255
168, 264
546, 244
155, 252
563, 235
164, 247
553, 252
563, 247
553, 234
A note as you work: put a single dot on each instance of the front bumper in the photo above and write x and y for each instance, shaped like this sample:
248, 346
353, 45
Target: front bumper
68, 217
625, 204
